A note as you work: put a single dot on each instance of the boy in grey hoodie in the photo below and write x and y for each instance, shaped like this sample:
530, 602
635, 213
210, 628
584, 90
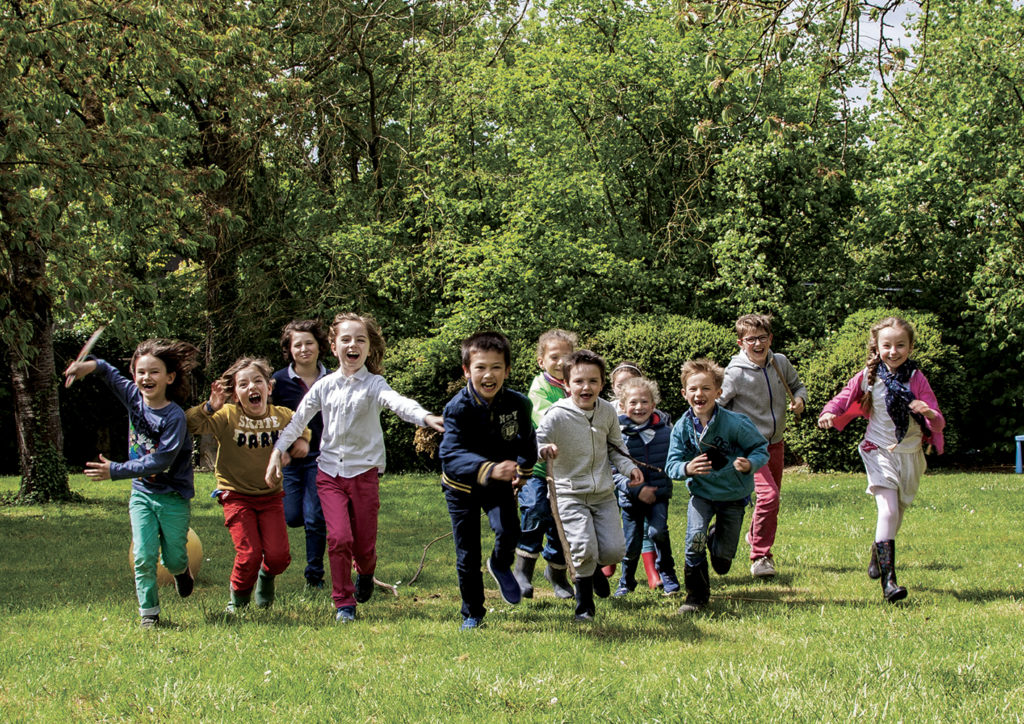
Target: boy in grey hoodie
757, 384
582, 432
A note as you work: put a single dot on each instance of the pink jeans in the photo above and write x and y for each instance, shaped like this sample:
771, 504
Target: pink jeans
765, 520
350, 508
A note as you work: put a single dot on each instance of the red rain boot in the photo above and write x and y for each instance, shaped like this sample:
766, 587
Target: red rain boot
653, 577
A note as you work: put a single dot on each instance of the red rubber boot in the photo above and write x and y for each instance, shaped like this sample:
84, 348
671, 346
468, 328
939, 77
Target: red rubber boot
653, 577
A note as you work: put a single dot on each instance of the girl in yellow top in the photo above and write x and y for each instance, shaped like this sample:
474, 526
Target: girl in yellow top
239, 415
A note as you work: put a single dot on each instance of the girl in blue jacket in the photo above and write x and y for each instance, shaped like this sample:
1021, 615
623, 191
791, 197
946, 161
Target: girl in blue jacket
646, 432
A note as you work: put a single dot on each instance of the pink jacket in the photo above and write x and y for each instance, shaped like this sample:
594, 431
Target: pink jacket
846, 406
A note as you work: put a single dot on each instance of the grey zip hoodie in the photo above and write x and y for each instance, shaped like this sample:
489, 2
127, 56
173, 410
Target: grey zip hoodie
758, 392
582, 437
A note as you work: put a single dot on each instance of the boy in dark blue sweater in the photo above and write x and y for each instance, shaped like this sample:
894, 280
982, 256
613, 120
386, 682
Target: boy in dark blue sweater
488, 450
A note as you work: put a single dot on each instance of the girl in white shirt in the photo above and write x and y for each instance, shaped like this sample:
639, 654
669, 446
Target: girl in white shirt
351, 452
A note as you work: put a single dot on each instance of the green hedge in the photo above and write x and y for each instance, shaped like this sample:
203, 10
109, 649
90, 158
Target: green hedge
840, 357
660, 344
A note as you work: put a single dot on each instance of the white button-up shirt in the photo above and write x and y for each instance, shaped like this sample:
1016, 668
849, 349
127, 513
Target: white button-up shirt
353, 441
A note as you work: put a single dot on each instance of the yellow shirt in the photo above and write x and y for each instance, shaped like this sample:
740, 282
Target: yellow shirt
244, 444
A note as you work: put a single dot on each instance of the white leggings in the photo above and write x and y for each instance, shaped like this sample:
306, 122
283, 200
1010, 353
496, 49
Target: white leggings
890, 513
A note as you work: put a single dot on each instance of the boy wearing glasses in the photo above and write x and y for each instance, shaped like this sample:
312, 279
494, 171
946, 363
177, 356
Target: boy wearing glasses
762, 385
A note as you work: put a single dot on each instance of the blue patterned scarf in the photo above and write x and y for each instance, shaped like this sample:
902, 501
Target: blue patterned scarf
898, 396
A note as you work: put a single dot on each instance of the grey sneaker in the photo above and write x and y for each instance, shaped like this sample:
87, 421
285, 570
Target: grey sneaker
345, 614
149, 621
762, 568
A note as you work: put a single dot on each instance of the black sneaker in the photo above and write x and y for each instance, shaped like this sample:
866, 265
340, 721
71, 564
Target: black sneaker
184, 583
364, 587
149, 621
601, 587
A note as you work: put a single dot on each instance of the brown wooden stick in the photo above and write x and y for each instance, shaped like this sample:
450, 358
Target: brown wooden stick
553, 500
423, 558
387, 586
785, 385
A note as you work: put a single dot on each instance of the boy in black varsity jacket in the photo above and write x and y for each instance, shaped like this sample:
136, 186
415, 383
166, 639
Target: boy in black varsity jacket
488, 449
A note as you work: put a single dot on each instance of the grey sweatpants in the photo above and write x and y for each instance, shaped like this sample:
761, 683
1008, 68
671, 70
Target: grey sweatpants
593, 528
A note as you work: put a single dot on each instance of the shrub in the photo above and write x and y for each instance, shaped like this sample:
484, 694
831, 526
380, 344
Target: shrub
841, 356
660, 344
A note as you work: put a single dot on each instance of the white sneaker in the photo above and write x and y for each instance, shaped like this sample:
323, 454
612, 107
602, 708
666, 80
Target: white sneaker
762, 568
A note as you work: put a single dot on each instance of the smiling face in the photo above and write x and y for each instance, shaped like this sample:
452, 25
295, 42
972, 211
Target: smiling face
555, 353
585, 383
252, 391
304, 349
755, 342
638, 405
351, 345
152, 379
894, 347
701, 390
487, 371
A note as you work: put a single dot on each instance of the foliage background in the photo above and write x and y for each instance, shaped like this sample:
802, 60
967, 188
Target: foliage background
613, 168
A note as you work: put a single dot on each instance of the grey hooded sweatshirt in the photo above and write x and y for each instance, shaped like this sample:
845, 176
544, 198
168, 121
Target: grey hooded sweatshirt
759, 394
582, 437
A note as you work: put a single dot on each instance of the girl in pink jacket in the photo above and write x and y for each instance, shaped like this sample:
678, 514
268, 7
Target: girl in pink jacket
895, 397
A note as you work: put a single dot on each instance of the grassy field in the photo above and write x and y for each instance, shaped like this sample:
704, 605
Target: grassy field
815, 644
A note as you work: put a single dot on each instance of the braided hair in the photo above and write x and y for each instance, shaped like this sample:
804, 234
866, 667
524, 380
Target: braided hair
874, 359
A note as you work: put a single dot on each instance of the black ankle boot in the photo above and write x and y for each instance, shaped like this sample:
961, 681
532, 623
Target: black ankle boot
886, 552
873, 573
585, 609
602, 589
523, 572
698, 588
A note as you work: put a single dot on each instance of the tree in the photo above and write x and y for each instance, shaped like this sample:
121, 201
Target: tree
79, 137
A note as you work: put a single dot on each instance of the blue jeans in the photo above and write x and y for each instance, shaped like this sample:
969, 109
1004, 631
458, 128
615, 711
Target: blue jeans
641, 522
728, 515
497, 501
302, 508
538, 522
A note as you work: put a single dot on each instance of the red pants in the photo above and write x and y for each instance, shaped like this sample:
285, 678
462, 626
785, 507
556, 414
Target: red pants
350, 508
765, 521
257, 527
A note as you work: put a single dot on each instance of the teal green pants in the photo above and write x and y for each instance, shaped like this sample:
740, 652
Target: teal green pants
159, 523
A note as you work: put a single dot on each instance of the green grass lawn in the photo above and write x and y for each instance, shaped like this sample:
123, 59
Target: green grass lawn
815, 644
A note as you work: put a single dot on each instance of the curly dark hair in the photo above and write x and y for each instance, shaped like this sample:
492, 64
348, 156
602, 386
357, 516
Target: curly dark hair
178, 357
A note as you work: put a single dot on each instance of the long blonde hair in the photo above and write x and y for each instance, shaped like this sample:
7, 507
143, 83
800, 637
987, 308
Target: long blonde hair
874, 359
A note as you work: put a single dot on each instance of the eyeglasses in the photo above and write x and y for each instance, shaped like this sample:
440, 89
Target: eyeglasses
755, 340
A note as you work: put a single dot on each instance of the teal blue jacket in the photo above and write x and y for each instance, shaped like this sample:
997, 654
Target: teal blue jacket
729, 435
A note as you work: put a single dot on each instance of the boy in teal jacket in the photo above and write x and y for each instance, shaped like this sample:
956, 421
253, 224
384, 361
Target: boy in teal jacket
715, 451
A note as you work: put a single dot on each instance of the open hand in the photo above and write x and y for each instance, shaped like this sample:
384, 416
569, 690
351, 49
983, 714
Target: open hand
98, 471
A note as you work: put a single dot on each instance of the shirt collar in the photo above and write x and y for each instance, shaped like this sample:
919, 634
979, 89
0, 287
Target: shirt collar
321, 371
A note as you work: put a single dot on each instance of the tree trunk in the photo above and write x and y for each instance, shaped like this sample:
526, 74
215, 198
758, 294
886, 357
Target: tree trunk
44, 476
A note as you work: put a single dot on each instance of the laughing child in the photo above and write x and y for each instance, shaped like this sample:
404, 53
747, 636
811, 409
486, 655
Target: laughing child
159, 462
246, 426
553, 348
488, 450
351, 453
715, 451
582, 433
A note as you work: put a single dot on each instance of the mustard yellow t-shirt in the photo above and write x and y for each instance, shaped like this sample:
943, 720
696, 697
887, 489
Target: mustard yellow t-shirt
244, 444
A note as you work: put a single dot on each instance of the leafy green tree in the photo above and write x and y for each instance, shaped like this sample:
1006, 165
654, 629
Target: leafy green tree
81, 155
